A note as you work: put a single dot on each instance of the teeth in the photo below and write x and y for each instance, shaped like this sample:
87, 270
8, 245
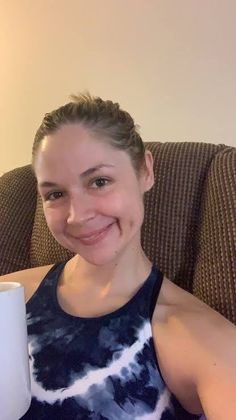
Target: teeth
92, 237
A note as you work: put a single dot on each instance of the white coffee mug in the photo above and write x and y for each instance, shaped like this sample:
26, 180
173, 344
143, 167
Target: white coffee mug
15, 393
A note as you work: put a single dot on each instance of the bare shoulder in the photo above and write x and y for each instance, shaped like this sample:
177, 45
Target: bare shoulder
195, 345
30, 278
175, 305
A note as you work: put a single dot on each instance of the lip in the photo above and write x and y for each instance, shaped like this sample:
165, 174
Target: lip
93, 237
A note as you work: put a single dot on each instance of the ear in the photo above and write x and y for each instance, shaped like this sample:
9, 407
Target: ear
147, 172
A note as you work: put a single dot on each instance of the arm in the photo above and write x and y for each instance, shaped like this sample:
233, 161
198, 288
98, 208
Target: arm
30, 278
216, 377
196, 349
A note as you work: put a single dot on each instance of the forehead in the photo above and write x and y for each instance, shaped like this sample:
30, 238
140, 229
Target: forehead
71, 137
77, 148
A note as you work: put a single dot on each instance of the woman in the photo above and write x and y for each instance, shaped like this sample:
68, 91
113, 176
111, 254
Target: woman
109, 336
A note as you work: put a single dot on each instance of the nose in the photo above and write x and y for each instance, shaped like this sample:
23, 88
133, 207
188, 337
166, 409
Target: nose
81, 209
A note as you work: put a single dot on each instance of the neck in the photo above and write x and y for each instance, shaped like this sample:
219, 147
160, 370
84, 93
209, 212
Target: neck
126, 272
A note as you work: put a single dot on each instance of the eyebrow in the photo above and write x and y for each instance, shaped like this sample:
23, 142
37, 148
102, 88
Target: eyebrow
85, 174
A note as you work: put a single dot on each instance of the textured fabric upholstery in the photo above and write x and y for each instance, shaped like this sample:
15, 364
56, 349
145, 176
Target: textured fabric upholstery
214, 279
189, 229
17, 208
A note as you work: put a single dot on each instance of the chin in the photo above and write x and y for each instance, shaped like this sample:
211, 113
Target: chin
97, 256
99, 259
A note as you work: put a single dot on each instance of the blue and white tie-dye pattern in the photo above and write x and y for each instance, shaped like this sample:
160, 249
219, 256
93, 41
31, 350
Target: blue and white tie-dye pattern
96, 368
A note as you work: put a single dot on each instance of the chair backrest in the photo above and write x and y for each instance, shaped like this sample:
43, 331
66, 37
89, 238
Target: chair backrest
189, 229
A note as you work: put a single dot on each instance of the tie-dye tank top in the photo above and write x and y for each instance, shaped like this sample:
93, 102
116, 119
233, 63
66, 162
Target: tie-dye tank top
102, 368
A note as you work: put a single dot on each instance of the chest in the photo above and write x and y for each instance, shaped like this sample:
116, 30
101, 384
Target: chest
89, 362
89, 304
101, 367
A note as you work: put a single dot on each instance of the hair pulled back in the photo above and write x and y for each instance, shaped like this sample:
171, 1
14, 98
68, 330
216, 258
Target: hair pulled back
102, 117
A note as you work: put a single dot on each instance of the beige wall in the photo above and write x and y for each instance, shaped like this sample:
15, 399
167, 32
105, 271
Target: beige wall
172, 64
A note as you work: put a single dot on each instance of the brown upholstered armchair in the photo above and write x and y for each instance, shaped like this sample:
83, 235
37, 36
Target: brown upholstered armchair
189, 228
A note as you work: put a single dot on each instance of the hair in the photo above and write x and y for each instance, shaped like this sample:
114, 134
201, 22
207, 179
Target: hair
103, 117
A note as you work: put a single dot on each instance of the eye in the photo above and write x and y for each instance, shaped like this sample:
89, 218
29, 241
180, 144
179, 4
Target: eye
52, 196
99, 182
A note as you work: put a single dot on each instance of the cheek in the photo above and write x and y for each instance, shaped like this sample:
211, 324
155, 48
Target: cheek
110, 205
136, 213
53, 218
136, 209
126, 207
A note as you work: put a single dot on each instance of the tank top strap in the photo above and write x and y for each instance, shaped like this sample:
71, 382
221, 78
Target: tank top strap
48, 286
146, 298
54, 273
158, 280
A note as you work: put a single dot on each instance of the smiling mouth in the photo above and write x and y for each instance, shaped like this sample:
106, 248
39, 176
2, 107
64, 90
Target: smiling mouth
93, 237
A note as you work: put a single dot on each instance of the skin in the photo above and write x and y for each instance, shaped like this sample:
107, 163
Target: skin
98, 215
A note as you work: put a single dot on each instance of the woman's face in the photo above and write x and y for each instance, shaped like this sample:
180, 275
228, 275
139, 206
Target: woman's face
92, 196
